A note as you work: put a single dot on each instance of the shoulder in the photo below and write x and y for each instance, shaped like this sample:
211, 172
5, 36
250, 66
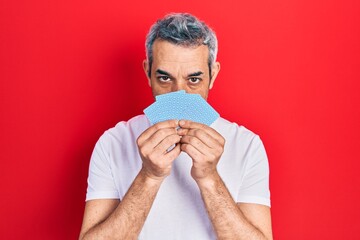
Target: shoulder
231, 130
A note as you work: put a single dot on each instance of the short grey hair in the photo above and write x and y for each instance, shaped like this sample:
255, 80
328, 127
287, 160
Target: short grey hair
182, 29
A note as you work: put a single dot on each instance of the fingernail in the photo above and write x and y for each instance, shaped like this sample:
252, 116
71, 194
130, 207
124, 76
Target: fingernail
181, 122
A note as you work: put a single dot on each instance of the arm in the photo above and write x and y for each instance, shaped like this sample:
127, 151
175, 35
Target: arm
111, 219
230, 220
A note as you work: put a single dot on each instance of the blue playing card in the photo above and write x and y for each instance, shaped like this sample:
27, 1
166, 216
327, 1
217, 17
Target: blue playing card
164, 97
167, 106
200, 111
158, 112
181, 105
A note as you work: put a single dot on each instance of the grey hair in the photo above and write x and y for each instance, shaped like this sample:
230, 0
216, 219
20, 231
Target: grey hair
182, 29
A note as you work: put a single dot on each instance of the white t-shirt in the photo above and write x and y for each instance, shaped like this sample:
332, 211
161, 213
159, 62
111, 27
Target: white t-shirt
178, 211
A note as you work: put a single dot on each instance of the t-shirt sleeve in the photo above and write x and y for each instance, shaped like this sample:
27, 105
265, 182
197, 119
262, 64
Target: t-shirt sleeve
101, 183
255, 182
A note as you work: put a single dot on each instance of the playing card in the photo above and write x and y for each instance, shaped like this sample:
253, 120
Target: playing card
200, 111
164, 97
181, 105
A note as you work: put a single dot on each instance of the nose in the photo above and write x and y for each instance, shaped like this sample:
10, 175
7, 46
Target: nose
178, 85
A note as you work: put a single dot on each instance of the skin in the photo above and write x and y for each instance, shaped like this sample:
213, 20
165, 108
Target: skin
230, 220
177, 68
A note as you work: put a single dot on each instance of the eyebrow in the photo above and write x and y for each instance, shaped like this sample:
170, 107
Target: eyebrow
195, 74
162, 72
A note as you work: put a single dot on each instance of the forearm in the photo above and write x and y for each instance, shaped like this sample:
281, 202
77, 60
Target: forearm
226, 217
128, 218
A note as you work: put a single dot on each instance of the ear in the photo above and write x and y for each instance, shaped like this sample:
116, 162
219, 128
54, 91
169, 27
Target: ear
146, 70
214, 72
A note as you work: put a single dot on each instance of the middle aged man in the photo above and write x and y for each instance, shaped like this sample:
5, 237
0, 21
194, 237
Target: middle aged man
213, 184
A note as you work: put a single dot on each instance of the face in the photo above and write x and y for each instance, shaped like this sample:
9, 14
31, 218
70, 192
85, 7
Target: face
177, 68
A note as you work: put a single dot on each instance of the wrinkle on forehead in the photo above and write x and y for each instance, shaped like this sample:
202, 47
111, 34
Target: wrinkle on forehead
167, 51
180, 60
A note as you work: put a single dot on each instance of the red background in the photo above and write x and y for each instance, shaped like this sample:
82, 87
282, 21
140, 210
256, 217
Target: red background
69, 70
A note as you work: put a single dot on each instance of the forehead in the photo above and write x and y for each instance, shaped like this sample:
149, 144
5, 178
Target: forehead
165, 52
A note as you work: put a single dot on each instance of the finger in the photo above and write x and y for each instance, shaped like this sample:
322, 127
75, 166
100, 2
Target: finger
182, 131
187, 124
151, 130
190, 124
166, 143
191, 151
157, 137
171, 155
196, 143
204, 137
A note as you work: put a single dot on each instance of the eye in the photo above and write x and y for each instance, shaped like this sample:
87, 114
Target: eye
194, 80
164, 79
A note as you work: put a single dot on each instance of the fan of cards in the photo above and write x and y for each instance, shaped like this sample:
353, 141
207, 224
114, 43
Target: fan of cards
181, 105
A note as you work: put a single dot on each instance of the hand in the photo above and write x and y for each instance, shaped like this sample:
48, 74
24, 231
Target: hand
153, 146
204, 145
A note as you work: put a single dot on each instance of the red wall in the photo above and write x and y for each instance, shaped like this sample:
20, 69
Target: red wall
71, 69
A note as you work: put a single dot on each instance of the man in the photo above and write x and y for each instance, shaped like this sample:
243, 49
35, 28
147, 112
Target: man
212, 184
